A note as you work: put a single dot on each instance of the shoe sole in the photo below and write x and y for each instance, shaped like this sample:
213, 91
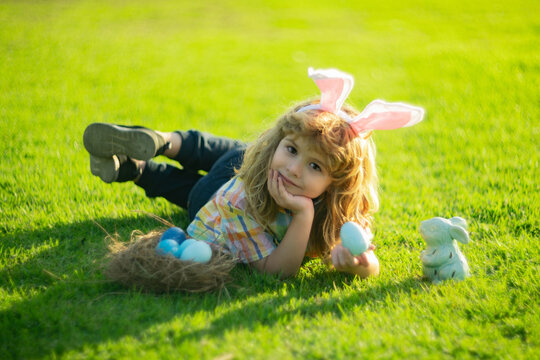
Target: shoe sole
105, 140
104, 168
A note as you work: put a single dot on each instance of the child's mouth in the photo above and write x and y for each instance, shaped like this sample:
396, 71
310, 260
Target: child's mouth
286, 180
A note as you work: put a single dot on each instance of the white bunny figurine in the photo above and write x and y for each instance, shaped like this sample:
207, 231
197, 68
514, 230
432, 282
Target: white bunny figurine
442, 259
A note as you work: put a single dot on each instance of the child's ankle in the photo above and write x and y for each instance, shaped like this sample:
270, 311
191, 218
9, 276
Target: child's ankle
175, 142
141, 165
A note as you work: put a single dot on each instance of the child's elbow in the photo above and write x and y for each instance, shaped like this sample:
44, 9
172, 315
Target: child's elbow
268, 267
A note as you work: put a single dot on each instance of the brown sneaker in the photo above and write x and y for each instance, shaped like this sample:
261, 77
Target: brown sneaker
137, 142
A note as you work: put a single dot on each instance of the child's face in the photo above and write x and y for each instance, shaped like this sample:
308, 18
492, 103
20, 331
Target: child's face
303, 170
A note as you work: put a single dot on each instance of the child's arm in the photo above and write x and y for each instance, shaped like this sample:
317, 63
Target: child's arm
364, 265
287, 257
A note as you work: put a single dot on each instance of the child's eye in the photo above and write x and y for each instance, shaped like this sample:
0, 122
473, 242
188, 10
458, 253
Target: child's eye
315, 167
291, 150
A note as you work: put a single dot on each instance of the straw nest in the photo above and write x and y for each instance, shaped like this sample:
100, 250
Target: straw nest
136, 264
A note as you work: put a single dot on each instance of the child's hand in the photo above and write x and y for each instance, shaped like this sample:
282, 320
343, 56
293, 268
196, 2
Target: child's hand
285, 199
364, 265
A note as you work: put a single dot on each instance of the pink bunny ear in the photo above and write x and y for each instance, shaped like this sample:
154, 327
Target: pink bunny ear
380, 115
334, 85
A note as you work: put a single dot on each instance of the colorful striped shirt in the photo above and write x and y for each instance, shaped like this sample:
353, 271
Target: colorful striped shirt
224, 221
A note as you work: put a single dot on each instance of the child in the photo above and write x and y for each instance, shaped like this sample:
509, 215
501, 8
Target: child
277, 200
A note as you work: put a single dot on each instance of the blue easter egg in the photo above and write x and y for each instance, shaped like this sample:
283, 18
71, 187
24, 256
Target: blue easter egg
184, 245
168, 246
354, 238
199, 252
174, 233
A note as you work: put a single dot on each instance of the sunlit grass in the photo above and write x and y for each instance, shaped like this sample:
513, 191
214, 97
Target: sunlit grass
231, 68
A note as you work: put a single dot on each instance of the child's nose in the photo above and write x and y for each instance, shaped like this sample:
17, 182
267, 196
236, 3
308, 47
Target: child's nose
295, 168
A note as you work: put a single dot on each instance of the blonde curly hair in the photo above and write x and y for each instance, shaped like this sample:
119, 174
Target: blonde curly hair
352, 194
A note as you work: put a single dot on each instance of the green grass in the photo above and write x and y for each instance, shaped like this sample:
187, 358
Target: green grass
231, 67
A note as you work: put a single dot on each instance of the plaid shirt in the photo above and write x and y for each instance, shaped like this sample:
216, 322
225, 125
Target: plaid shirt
224, 221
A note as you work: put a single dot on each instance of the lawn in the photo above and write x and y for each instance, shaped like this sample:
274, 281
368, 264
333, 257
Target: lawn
230, 68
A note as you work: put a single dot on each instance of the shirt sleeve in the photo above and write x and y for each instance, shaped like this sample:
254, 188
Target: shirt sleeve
225, 222
244, 236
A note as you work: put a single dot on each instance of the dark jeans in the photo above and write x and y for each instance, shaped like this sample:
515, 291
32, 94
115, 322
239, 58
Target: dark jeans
186, 187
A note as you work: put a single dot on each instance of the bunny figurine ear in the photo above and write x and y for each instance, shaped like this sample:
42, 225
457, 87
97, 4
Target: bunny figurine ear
381, 115
334, 85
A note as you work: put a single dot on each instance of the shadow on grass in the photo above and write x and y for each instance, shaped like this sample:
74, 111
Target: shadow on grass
54, 284
257, 311
61, 302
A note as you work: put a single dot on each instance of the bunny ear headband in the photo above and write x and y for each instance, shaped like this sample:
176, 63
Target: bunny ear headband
336, 85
